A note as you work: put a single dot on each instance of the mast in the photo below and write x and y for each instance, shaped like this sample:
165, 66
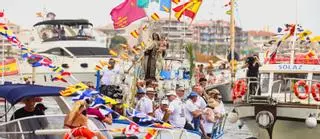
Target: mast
232, 39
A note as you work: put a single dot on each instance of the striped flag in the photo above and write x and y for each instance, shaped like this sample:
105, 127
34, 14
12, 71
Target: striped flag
188, 9
134, 34
143, 45
98, 67
113, 53
155, 17
175, 1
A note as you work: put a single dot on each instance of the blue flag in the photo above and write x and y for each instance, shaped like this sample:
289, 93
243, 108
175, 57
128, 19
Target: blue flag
142, 3
165, 5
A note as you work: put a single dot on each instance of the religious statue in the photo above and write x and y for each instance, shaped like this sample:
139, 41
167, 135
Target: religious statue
153, 57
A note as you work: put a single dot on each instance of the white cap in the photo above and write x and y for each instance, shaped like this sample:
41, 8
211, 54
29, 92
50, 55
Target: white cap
171, 93
150, 90
165, 102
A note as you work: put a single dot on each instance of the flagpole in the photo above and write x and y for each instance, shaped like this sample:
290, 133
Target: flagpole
232, 39
5, 22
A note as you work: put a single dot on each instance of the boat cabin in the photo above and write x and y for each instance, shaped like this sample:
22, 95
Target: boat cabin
280, 83
59, 30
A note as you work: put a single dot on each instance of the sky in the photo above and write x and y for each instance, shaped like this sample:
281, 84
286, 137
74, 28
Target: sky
250, 14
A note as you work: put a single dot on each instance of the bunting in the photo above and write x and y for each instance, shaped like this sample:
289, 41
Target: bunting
165, 5
135, 34
155, 17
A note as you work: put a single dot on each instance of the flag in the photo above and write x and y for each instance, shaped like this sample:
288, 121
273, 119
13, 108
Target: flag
228, 12
126, 13
142, 3
226, 5
145, 27
2, 22
151, 133
315, 39
131, 129
304, 34
59, 78
124, 56
98, 67
188, 9
175, 1
113, 53
155, 17
165, 5
143, 45
134, 34
39, 14
65, 73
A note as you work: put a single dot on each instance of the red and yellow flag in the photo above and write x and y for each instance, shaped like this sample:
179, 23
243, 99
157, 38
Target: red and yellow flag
150, 133
188, 9
134, 34
113, 53
155, 17
176, 1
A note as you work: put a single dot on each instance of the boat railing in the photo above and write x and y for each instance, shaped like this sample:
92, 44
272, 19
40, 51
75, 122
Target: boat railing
218, 128
283, 92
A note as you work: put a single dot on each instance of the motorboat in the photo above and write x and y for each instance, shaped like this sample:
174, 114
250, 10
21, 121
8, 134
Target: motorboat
288, 106
51, 124
69, 44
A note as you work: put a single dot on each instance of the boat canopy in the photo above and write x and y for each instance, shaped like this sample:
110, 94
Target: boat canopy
68, 22
13, 93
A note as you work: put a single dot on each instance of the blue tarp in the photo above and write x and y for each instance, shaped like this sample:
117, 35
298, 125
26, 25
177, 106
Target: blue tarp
13, 93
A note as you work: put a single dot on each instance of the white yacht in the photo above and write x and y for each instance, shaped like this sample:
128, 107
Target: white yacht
68, 43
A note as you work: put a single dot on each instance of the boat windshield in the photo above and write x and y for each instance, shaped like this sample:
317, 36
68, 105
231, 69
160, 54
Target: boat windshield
88, 51
48, 32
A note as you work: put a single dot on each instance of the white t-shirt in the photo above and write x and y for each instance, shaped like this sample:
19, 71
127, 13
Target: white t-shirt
177, 117
220, 109
190, 107
109, 76
145, 105
201, 103
207, 125
159, 114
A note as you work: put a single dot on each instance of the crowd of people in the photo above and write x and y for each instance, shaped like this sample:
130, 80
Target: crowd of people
196, 110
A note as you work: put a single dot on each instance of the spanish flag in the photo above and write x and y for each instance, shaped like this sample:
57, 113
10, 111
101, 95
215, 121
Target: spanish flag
188, 9
39, 14
134, 34
124, 46
145, 27
176, 1
143, 45
151, 133
113, 53
155, 17
103, 63
124, 56
98, 67
315, 39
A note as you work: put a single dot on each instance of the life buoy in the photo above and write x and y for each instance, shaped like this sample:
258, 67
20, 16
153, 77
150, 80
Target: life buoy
298, 93
239, 89
314, 89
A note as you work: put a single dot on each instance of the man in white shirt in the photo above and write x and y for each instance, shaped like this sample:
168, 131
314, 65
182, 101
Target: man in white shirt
145, 104
109, 74
180, 92
176, 110
159, 113
201, 103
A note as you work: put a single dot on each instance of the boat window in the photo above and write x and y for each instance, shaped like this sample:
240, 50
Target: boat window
316, 77
264, 82
88, 51
286, 80
57, 51
10, 127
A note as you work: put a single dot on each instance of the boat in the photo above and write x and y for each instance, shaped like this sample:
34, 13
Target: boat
76, 53
51, 124
288, 106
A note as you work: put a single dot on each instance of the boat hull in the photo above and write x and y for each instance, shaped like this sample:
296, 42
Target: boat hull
162, 133
289, 121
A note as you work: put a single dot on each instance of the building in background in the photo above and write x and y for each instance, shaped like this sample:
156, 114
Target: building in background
214, 37
257, 38
6, 46
177, 33
109, 33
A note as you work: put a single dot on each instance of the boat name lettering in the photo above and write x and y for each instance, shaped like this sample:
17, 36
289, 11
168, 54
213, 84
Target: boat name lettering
290, 67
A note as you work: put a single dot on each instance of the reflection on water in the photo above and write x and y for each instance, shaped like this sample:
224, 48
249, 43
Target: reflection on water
232, 131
